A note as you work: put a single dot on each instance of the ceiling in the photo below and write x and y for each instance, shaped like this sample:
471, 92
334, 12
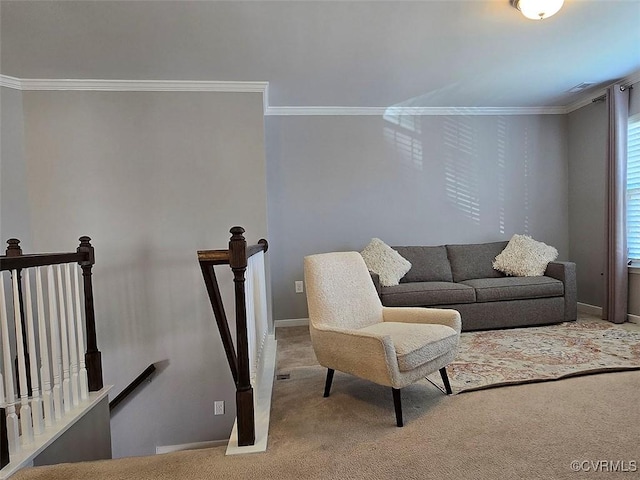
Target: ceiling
478, 53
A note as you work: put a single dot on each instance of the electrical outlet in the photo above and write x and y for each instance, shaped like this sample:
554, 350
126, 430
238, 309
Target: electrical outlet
218, 407
299, 286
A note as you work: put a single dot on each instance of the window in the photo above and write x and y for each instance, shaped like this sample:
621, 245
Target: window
633, 189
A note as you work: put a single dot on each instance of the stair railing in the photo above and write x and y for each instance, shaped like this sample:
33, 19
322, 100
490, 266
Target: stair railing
247, 265
50, 359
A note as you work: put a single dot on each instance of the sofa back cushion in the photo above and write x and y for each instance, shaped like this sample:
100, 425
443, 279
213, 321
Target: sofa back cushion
474, 260
428, 264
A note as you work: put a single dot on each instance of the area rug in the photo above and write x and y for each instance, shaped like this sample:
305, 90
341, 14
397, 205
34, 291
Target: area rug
496, 358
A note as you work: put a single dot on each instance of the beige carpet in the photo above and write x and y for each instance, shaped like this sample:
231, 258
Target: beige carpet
531, 431
495, 358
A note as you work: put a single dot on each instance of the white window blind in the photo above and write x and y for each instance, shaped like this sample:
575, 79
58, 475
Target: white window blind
633, 189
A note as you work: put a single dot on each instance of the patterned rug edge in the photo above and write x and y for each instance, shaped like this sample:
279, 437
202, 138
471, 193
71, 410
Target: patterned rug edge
582, 373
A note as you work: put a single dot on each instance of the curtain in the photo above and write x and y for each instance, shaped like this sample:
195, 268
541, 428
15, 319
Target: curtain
616, 274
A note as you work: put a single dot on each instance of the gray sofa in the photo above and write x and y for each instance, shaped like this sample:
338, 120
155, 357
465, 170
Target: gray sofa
462, 277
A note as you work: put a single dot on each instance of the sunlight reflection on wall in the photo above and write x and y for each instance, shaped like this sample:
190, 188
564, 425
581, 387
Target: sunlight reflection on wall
501, 155
403, 136
527, 179
462, 167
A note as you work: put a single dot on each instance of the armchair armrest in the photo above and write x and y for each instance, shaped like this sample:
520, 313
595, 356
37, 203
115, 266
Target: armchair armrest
441, 316
566, 273
363, 354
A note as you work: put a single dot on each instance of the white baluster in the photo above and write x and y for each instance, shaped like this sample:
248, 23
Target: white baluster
26, 422
64, 342
248, 294
45, 371
262, 291
84, 381
73, 346
13, 435
260, 305
36, 401
56, 358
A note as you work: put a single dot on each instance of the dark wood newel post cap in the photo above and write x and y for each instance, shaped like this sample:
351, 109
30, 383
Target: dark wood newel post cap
86, 247
85, 241
14, 250
237, 232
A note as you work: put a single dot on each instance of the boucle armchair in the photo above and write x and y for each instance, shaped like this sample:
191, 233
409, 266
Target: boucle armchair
352, 332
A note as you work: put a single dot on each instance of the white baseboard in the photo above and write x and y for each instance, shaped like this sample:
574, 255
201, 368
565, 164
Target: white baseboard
590, 309
291, 322
597, 311
189, 446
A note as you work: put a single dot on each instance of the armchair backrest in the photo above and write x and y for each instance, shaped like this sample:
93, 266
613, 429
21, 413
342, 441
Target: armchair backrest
340, 292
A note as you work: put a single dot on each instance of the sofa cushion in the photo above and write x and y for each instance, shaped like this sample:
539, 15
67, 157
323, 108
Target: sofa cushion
515, 288
416, 344
380, 258
428, 264
421, 294
474, 260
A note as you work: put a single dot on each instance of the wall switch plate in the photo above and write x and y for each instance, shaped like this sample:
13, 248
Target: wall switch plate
218, 407
299, 286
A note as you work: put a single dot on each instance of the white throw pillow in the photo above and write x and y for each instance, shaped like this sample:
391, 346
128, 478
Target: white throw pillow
380, 258
525, 257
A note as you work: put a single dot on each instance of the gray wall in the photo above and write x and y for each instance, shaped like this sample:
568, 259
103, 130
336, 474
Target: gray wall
336, 182
587, 141
587, 170
151, 177
86, 440
14, 199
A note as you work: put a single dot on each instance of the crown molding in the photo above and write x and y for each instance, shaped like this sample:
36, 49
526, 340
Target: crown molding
10, 82
29, 84
420, 111
324, 111
588, 99
93, 85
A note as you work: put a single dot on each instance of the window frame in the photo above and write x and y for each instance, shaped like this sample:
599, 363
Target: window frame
633, 193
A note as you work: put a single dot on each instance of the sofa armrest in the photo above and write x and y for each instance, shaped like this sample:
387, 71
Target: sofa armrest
376, 282
566, 273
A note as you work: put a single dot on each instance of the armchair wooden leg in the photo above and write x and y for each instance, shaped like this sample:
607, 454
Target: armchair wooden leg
397, 403
327, 384
445, 380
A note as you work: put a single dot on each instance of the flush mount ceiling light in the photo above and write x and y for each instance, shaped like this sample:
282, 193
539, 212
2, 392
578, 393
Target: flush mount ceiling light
538, 9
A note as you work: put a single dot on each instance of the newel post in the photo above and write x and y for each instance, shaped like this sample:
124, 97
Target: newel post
244, 391
93, 357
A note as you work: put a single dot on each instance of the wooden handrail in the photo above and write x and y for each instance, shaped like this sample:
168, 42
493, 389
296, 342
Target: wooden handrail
40, 260
129, 389
221, 257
